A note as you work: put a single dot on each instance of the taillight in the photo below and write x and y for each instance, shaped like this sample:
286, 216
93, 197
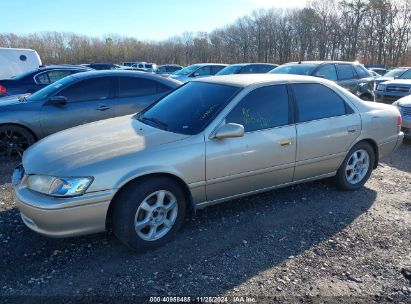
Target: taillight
3, 90
399, 121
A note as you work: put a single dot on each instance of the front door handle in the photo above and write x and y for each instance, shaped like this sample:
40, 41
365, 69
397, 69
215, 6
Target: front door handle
286, 142
103, 107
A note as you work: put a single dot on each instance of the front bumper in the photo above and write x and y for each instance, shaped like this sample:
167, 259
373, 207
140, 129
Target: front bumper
63, 217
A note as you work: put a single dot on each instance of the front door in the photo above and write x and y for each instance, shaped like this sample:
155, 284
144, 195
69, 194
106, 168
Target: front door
264, 156
87, 101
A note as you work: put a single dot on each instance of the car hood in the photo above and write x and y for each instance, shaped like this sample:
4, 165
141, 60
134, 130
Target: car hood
383, 79
10, 100
179, 77
71, 150
404, 102
399, 82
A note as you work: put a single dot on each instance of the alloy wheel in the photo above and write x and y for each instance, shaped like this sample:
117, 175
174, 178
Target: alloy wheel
357, 166
156, 215
12, 143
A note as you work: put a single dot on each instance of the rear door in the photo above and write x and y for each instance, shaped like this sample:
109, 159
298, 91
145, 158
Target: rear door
87, 101
136, 93
326, 128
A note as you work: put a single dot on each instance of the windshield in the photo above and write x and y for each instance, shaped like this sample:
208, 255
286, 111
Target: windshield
231, 69
187, 70
395, 73
49, 90
297, 69
189, 109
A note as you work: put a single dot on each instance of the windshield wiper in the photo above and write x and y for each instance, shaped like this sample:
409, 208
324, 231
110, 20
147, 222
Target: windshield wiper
153, 121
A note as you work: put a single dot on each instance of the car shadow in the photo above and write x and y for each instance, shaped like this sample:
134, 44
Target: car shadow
400, 159
220, 248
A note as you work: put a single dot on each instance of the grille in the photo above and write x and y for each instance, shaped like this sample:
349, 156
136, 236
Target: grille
406, 111
397, 89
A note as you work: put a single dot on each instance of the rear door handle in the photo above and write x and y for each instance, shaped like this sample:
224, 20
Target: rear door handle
352, 130
103, 107
286, 142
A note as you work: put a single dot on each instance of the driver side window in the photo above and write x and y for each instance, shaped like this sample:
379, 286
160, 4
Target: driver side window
204, 71
328, 72
263, 108
89, 89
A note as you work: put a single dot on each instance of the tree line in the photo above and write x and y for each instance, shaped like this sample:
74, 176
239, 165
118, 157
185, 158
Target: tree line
370, 31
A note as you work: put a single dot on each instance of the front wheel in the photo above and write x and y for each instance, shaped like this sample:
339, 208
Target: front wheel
356, 167
147, 214
14, 140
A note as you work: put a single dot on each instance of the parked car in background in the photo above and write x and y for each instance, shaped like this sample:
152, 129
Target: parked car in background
34, 80
247, 68
144, 66
17, 61
390, 91
397, 73
379, 71
76, 100
404, 106
167, 69
197, 71
374, 75
103, 66
207, 142
350, 75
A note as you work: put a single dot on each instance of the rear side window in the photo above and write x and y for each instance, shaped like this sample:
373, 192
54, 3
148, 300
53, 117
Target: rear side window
137, 87
316, 101
263, 108
204, 71
345, 71
89, 89
361, 71
57, 75
51, 76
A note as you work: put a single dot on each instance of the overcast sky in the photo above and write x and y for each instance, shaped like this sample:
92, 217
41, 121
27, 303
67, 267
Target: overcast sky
143, 19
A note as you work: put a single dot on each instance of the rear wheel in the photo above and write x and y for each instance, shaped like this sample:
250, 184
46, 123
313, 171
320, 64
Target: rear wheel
14, 140
149, 213
356, 167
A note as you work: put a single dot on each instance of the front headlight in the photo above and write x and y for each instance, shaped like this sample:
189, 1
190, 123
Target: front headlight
58, 186
381, 87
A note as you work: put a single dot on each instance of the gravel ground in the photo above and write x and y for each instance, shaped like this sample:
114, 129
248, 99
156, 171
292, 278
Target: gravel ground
298, 244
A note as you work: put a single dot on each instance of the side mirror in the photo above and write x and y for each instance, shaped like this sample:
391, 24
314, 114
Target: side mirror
229, 130
196, 74
396, 77
58, 100
320, 76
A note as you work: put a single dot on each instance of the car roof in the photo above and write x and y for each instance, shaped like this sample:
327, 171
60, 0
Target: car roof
323, 62
244, 80
204, 64
130, 73
63, 66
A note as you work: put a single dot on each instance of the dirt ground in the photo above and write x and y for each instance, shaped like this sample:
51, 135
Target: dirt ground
305, 243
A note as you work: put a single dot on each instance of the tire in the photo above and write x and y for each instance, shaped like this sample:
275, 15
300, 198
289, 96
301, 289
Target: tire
135, 204
354, 173
14, 140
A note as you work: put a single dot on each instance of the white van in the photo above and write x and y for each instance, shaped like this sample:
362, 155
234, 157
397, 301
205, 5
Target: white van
16, 61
